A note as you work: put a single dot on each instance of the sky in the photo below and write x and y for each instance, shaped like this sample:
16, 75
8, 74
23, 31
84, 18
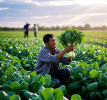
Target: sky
16, 13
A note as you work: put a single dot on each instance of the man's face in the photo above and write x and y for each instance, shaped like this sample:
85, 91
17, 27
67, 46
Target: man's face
52, 43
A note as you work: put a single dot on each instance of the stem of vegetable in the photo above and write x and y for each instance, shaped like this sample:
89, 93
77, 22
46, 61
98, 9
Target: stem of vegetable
71, 54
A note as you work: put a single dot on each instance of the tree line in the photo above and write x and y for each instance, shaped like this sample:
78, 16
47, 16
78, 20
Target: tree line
43, 28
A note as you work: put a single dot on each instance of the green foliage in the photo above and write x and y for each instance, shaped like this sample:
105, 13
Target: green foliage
93, 73
93, 86
76, 97
71, 37
4, 79
18, 79
63, 88
15, 86
48, 94
4, 95
15, 97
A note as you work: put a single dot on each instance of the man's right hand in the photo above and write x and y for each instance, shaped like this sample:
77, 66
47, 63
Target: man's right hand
69, 48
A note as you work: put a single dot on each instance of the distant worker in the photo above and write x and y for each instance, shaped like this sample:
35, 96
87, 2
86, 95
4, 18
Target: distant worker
26, 30
35, 30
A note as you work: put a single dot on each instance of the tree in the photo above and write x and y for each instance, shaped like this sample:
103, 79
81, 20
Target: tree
104, 27
1, 29
57, 28
80, 27
87, 27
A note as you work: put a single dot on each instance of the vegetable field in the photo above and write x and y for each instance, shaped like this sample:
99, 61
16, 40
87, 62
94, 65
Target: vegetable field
18, 81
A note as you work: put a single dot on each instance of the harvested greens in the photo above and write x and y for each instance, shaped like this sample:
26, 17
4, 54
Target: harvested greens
71, 37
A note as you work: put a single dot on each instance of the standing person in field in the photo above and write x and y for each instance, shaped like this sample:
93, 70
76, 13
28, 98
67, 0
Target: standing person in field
26, 30
48, 61
35, 30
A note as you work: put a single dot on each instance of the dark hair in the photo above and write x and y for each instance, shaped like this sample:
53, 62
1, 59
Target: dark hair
47, 36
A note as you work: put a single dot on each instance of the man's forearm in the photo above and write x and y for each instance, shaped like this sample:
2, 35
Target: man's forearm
59, 55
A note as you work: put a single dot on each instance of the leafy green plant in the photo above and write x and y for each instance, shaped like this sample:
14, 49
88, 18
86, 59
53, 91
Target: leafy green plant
76, 97
19, 81
71, 37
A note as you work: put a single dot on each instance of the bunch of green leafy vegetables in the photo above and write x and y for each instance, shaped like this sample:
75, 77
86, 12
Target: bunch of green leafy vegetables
71, 37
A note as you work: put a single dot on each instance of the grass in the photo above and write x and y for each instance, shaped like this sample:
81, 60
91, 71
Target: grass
96, 34
20, 34
40, 34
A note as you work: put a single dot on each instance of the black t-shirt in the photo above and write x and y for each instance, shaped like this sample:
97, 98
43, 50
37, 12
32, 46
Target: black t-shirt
52, 69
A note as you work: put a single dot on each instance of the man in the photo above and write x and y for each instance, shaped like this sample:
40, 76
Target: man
35, 30
48, 60
26, 29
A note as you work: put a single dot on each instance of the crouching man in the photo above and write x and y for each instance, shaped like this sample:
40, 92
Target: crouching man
48, 61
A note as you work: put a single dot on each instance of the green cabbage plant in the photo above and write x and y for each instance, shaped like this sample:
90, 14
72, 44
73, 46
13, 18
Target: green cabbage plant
71, 37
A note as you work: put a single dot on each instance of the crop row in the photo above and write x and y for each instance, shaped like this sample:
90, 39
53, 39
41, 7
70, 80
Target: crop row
100, 42
88, 79
18, 79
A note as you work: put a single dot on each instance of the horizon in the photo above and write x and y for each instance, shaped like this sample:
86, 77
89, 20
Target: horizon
56, 26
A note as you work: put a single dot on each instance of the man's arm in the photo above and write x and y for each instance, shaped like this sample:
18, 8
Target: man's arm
45, 56
59, 55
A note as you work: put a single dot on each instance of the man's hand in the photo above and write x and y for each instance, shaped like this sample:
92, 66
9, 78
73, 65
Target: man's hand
69, 48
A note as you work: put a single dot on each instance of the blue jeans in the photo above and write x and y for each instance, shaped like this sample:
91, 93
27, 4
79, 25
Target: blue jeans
60, 76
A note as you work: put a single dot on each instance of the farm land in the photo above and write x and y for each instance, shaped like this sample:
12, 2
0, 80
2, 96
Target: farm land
18, 81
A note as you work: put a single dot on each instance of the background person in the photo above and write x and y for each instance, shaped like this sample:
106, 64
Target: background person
26, 30
35, 30
48, 61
